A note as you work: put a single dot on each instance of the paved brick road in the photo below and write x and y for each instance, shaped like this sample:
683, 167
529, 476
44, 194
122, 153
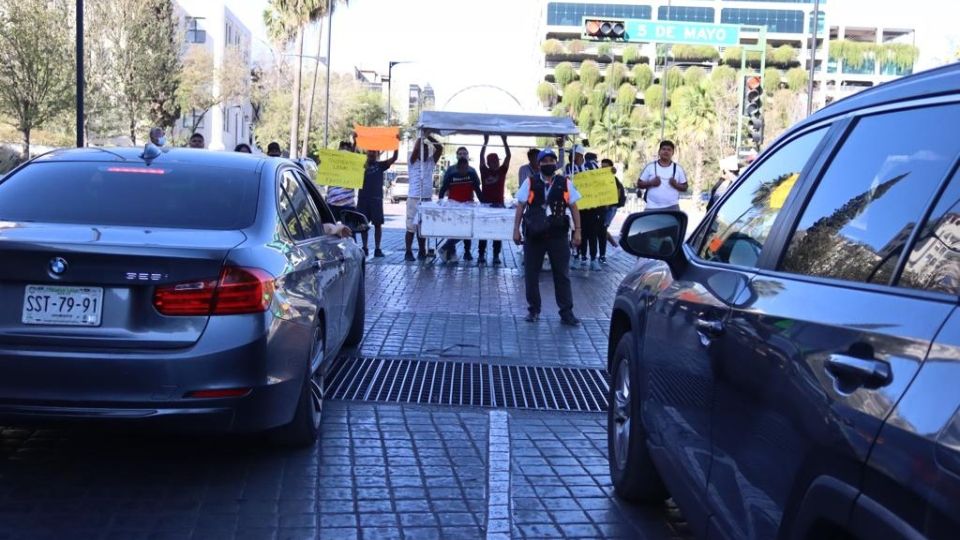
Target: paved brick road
380, 470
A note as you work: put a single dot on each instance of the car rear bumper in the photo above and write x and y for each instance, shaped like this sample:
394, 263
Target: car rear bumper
42, 386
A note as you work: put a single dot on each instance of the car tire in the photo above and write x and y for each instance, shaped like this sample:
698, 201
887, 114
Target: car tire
634, 476
355, 335
303, 430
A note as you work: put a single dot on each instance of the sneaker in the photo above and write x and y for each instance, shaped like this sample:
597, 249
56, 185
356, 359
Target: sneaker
378, 253
421, 256
467, 256
594, 265
603, 260
532, 317
408, 256
569, 320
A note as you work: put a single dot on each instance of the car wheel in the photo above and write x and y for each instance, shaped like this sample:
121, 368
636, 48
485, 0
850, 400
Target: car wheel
634, 476
355, 336
305, 426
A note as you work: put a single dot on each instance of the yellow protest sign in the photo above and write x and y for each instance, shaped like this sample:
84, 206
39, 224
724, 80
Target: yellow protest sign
342, 169
597, 188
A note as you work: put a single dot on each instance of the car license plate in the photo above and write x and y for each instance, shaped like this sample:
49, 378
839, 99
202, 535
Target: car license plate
56, 305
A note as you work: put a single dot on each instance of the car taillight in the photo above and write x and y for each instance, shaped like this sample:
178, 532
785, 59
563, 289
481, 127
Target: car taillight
237, 291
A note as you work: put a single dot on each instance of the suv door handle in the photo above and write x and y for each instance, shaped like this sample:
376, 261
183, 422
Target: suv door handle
852, 372
709, 328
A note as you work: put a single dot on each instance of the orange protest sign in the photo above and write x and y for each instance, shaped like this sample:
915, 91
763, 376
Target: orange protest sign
378, 138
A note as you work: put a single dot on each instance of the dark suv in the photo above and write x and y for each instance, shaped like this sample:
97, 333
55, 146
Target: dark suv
792, 368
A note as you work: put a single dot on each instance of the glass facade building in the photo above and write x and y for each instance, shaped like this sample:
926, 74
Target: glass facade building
572, 13
685, 13
776, 20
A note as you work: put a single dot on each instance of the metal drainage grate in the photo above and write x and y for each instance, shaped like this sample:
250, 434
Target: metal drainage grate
469, 384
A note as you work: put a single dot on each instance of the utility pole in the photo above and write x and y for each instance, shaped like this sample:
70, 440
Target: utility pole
815, 27
663, 80
80, 74
326, 112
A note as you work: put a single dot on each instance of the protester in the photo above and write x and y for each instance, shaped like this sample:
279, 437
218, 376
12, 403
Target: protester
577, 163
592, 219
664, 180
531, 168
545, 200
243, 147
420, 174
157, 137
493, 180
370, 198
339, 198
273, 149
611, 212
197, 141
462, 181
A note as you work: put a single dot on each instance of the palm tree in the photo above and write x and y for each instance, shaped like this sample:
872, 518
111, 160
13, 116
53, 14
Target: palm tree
286, 18
612, 137
696, 121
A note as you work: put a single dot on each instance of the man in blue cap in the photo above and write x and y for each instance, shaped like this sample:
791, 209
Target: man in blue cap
545, 200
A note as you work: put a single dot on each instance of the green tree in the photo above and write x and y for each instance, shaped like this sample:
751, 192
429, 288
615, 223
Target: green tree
612, 137
642, 76
552, 47
204, 85
576, 46
771, 80
626, 96
674, 78
564, 74
573, 98
631, 54
291, 17
144, 55
694, 75
589, 74
36, 59
587, 118
696, 119
653, 97
797, 79
616, 73
547, 93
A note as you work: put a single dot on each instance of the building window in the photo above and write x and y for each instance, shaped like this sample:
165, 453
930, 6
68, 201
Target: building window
685, 13
822, 2
194, 33
572, 13
776, 20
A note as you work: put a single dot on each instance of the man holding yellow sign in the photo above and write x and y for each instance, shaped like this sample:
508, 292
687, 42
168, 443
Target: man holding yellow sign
599, 189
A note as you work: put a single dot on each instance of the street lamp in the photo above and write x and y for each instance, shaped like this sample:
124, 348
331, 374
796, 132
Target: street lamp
390, 85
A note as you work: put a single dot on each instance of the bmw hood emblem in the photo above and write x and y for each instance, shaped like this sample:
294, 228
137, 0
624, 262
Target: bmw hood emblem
58, 265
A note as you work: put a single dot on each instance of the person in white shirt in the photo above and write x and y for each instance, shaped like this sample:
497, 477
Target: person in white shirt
420, 172
663, 180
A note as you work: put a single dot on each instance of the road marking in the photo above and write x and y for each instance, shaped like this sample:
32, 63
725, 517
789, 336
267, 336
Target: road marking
499, 507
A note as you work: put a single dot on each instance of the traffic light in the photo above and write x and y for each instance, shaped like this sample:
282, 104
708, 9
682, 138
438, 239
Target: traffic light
604, 29
753, 109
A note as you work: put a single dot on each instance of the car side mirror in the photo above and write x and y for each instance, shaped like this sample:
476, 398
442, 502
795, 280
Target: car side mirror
355, 220
656, 235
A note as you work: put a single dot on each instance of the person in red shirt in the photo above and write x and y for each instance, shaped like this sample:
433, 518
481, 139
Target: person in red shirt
493, 180
460, 183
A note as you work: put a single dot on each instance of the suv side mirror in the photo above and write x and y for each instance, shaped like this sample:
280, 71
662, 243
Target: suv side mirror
656, 235
355, 220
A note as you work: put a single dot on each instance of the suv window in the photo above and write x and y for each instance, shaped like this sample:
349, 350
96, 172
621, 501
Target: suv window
934, 262
871, 196
742, 223
287, 214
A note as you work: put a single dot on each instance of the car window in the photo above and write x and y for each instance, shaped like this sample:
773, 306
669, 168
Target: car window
873, 193
174, 195
287, 213
313, 191
743, 221
934, 261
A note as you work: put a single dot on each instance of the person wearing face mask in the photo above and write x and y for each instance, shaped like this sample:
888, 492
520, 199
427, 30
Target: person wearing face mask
545, 201
460, 182
157, 137
493, 177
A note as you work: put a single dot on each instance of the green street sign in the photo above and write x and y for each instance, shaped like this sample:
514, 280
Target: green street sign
682, 32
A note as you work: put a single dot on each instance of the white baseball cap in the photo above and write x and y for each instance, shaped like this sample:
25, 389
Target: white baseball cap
579, 149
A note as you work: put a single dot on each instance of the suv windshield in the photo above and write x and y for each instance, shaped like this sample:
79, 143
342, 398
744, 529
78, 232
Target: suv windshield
179, 196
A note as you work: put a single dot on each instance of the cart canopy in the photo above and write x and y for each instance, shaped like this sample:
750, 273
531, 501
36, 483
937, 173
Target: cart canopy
448, 123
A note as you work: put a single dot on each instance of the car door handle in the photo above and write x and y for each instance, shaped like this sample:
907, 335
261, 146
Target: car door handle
852, 372
709, 328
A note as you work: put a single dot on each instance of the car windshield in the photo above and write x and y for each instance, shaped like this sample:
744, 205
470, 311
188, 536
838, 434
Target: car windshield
179, 196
